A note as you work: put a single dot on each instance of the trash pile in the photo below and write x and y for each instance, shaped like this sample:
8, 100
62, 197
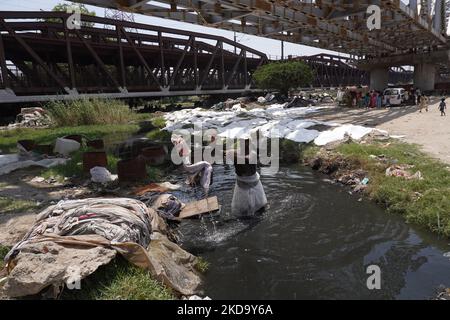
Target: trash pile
342, 170
31, 117
12, 162
135, 156
403, 172
42, 155
72, 239
272, 121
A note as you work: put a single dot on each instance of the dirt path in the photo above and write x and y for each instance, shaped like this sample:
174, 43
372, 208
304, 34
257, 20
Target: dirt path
427, 129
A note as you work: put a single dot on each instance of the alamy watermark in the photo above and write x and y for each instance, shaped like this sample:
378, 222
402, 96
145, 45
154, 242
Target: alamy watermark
74, 20
251, 148
374, 280
73, 281
374, 20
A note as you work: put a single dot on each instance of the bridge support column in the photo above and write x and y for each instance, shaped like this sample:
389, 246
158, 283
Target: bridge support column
424, 76
379, 79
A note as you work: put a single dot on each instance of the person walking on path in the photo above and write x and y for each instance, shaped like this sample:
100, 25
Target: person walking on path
373, 99
366, 100
442, 107
423, 103
379, 100
418, 95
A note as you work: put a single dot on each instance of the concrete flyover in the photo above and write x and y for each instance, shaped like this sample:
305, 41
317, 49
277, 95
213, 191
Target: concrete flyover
414, 27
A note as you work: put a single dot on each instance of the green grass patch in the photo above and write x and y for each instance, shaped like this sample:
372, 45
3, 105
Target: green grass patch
291, 151
3, 251
424, 202
9, 138
159, 122
11, 205
159, 135
120, 280
89, 112
72, 168
154, 174
201, 265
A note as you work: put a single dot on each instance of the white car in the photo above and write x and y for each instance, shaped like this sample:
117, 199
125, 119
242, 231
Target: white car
394, 96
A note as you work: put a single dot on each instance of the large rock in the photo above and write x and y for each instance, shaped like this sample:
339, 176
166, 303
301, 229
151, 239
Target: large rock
47, 263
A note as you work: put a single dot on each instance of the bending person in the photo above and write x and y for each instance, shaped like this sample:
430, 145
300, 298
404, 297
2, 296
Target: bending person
201, 171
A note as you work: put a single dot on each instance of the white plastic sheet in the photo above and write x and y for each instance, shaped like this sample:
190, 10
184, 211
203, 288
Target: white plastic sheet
12, 162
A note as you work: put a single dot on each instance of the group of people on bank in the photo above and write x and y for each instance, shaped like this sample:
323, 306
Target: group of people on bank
360, 97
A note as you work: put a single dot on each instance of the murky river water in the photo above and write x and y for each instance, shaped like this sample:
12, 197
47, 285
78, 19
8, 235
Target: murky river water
315, 241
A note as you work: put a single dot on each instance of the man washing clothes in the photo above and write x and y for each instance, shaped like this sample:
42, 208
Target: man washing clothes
248, 196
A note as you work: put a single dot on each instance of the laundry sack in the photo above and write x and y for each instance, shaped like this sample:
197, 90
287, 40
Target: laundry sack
248, 196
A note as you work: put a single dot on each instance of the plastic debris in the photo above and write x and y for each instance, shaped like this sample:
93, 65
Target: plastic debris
102, 175
12, 162
402, 171
262, 100
156, 187
66, 146
195, 297
31, 117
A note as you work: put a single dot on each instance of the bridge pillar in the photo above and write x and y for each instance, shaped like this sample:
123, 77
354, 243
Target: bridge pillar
424, 76
379, 79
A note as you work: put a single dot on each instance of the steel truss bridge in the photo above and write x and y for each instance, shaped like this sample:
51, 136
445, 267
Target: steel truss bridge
41, 59
337, 71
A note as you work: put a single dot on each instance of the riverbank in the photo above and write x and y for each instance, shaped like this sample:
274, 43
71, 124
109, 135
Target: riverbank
428, 130
396, 175
26, 192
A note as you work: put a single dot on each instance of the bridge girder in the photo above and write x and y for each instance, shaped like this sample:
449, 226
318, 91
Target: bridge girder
334, 25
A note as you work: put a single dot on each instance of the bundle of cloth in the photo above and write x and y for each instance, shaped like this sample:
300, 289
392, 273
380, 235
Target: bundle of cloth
71, 239
201, 171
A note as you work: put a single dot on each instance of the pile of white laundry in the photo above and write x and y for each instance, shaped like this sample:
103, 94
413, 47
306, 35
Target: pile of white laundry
274, 122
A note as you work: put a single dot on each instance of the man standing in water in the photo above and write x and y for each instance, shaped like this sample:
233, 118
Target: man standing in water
248, 196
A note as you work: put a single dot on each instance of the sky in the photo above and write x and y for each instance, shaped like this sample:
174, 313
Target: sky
270, 47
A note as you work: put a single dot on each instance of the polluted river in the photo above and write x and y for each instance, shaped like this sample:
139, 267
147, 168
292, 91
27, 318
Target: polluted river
314, 241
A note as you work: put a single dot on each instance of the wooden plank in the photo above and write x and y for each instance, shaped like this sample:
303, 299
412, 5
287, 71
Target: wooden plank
195, 208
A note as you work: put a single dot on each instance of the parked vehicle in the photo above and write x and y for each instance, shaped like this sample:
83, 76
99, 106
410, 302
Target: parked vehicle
394, 96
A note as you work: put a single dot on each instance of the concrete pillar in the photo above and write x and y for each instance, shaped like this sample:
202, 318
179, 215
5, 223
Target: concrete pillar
379, 79
424, 76
413, 5
437, 20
